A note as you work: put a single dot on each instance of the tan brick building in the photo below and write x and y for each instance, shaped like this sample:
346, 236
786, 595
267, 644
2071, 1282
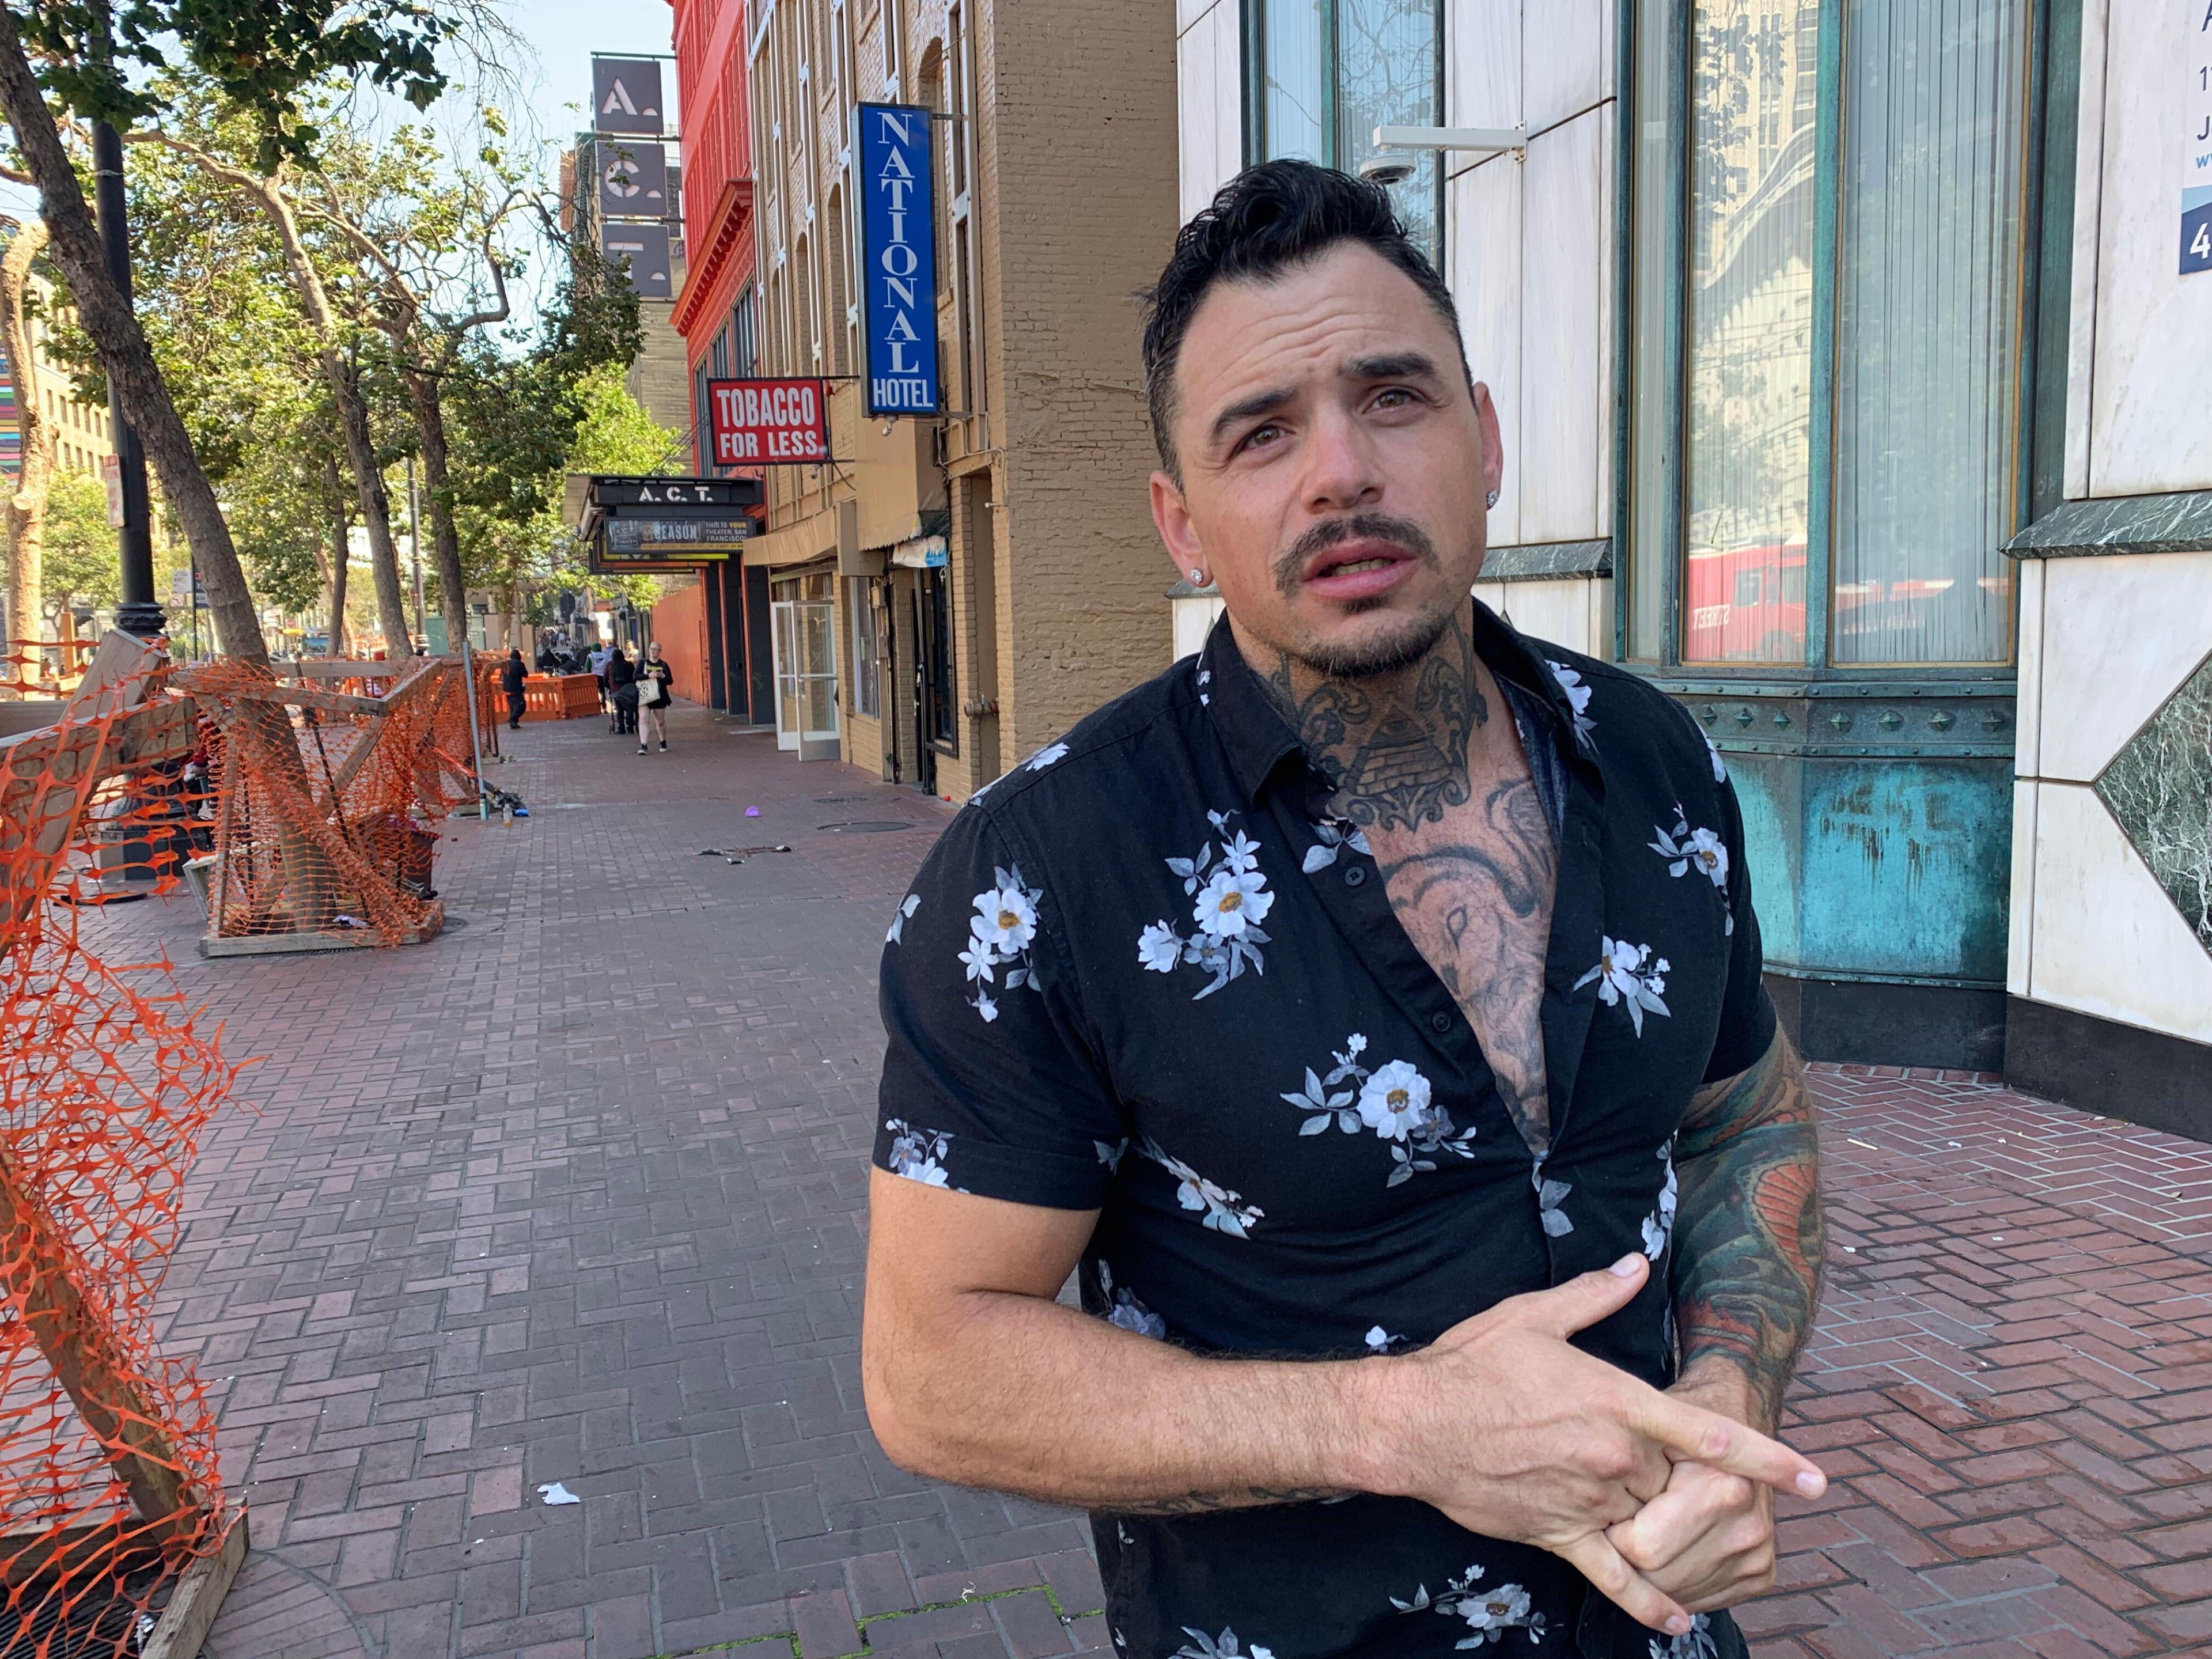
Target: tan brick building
973, 584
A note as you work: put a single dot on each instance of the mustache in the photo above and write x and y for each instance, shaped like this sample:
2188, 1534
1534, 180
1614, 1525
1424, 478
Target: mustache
1289, 568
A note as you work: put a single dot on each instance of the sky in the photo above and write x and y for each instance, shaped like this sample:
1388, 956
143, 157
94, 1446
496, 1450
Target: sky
564, 33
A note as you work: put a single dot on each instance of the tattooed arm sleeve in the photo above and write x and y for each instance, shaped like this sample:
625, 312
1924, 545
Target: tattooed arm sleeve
1747, 1235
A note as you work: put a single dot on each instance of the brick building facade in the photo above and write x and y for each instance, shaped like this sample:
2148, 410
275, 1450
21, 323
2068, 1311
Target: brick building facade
975, 582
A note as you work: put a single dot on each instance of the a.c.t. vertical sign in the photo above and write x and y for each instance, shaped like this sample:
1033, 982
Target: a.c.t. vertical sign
898, 260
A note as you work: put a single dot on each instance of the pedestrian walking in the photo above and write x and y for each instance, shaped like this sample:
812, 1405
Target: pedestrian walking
511, 676
622, 692
654, 677
1497, 1134
598, 660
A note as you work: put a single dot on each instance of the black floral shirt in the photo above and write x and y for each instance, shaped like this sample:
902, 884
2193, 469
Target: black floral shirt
1145, 974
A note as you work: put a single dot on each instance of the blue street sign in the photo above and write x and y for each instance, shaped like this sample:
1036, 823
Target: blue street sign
898, 256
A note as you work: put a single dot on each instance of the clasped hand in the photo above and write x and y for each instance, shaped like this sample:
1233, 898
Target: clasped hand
1665, 1505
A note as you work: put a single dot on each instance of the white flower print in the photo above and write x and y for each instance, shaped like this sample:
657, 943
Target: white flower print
1720, 769
1702, 850
1224, 1646
1393, 1100
1005, 918
1550, 1196
1046, 755
1695, 1643
898, 922
1659, 1225
1332, 836
1232, 903
1578, 696
1124, 1308
1226, 1211
1379, 1340
1230, 899
1627, 974
1000, 935
918, 1154
1489, 1614
1159, 948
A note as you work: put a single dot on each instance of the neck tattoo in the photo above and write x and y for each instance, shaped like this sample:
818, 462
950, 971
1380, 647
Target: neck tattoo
1392, 746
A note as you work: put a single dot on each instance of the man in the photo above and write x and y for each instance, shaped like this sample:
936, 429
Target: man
512, 674
598, 662
1371, 1006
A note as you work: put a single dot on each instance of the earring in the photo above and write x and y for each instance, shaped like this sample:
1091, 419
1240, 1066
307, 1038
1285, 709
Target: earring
1197, 577
1491, 499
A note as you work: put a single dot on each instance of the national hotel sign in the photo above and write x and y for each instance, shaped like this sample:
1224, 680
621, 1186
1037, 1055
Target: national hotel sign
899, 256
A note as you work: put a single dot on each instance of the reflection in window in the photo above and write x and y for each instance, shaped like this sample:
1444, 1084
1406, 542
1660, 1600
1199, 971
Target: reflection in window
1750, 336
1928, 357
1324, 89
1389, 61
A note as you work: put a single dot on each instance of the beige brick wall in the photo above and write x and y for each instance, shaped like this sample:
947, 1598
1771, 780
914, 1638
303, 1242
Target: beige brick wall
1057, 575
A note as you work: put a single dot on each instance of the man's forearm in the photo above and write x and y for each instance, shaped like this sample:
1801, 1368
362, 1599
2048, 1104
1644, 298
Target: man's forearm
1030, 1396
1747, 1235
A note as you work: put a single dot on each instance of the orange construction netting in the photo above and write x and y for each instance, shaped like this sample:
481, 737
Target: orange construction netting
324, 795
109, 1486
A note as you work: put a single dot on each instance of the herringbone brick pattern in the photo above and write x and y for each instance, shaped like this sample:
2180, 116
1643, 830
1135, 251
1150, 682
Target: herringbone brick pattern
576, 1194
2012, 1379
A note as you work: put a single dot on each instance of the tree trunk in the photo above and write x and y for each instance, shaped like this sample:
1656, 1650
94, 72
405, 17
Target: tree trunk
334, 577
26, 512
375, 503
125, 355
427, 393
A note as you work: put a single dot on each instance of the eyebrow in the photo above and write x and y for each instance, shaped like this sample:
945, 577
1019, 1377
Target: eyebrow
1393, 366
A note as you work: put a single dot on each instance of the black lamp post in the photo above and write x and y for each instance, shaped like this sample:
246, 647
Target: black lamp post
140, 613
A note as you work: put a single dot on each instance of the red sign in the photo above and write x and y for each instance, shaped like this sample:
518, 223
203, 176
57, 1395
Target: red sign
767, 422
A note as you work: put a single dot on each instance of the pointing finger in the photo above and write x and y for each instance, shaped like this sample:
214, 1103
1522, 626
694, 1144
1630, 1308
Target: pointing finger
1704, 1437
1582, 1300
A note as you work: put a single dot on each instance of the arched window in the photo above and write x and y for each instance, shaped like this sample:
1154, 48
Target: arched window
837, 286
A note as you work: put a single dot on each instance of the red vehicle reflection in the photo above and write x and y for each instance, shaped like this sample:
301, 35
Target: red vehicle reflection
1746, 603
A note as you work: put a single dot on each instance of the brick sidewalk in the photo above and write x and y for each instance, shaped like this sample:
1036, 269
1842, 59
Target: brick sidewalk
576, 1194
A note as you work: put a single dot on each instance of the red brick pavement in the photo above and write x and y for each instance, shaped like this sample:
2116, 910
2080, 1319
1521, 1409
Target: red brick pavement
576, 1194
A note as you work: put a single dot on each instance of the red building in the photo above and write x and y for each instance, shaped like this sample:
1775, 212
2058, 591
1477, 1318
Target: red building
714, 310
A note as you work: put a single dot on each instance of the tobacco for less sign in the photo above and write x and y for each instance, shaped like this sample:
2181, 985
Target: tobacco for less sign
762, 422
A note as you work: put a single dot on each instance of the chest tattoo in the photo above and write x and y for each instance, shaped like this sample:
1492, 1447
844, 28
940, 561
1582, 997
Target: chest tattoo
1474, 892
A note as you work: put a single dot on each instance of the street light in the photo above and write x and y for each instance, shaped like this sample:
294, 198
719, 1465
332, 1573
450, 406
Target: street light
140, 613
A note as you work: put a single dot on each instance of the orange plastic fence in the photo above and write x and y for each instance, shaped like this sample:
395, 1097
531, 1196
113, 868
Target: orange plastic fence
326, 793
109, 1486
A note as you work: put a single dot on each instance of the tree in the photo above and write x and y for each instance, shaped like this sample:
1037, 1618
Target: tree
26, 512
84, 568
261, 56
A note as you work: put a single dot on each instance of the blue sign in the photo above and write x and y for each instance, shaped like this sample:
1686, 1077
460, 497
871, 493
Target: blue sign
898, 260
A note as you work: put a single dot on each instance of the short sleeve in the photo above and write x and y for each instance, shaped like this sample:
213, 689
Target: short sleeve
1747, 1022
991, 1082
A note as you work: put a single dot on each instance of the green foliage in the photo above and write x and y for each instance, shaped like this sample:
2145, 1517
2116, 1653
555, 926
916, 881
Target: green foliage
261, 56
82, 565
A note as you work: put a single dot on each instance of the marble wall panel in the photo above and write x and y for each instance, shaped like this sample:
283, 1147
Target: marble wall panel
2119, 634
2159, 790
2148, 431
1565, 48
1566, 265
2027, 750
1482, 214
2019, 943
1209, 101
1575, 612
1482, 68
2107, 939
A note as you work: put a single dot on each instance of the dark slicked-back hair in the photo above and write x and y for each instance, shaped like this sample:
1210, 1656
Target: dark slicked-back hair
1264, 222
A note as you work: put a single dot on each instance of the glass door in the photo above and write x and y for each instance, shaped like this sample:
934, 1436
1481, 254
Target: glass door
815, 624
783, 639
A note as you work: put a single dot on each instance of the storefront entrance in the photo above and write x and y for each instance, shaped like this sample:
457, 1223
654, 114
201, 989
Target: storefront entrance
803, 631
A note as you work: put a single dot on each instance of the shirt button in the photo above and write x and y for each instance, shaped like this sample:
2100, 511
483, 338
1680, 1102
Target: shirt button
1440, 1023
1355, 876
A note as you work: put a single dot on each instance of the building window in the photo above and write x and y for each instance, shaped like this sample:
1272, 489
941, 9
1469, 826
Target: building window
1328, 72
866, 688
1825, 447
744, 346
